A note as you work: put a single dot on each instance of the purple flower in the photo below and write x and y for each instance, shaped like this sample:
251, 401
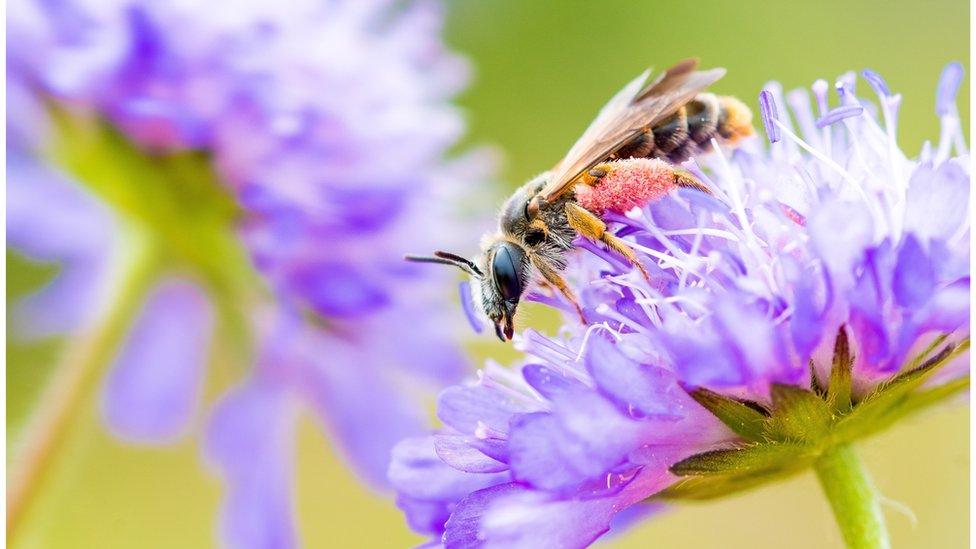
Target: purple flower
152, 391
73, 231
314, 138
818, 293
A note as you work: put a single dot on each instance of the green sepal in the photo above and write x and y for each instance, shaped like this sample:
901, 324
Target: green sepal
802, 425
797, 415
721, 472
744, 419
922, 399
915, 362
839, 387
883, 405
741, 460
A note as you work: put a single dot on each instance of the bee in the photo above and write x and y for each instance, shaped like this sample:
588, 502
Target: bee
668, 118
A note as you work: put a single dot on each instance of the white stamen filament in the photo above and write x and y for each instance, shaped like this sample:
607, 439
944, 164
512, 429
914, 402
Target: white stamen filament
609, 312
666, 260
589, 331
878, 216
483, 432
661, 237
506, 381
671, 301
651, 312
700, 232
829, 162
695, 246
787, 312
753, 245
948, 128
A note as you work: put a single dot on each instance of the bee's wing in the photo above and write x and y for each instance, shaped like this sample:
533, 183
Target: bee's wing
634, 109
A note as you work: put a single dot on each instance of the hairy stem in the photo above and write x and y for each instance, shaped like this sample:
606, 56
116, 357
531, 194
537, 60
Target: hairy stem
73, 381
852, 497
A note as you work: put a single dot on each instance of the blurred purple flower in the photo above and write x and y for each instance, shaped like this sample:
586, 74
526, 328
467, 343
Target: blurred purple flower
73, 231
152, 392
329, 123
833, 233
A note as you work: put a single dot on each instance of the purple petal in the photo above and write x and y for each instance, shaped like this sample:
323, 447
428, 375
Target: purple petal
637, 389
152, 390
427, 487
250, 441
582, 439
949, 80
947, 311
870, 335
366, 409
525, 519
811, 299
936, 205
840, 250
414, 335
468, 305
704, 201
914, 276
423, 516
478, 407
753, 340
532, 520
457, 451
628, 307
633, 515
338, 289
50, 218
464, 528
547, 381
702, 360
69, 300
369, 209
535, 453
417, 470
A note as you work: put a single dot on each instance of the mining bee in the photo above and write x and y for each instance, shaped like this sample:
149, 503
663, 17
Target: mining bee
666, 119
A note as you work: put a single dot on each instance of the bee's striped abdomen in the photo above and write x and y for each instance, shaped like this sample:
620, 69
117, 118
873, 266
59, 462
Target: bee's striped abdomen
691, 129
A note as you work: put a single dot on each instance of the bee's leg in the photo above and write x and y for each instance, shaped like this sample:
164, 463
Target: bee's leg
592, 227
684, 178
680, 177
552, 277
596, 173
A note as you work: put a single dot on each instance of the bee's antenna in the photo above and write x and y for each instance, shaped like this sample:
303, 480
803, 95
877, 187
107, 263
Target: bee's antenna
446, 258
463, 260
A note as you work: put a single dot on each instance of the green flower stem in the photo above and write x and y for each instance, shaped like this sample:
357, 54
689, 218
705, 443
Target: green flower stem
853, 498
74, 380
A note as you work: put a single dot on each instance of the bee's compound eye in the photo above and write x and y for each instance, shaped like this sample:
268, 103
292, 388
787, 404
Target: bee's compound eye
534, 237
506, 271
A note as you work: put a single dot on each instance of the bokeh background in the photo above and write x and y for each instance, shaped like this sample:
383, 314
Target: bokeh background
541, 70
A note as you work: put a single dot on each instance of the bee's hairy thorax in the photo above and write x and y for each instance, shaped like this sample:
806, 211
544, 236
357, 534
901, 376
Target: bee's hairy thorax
548, 235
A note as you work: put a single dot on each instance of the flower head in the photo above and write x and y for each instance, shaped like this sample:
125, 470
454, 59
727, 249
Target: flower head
819, 292
307, 145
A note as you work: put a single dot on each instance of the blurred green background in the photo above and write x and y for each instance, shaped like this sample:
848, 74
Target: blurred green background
541, 70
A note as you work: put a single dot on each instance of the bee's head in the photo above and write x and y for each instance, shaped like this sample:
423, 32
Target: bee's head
499, 281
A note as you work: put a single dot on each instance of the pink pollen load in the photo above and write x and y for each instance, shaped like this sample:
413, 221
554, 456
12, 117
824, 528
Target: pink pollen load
630, 183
